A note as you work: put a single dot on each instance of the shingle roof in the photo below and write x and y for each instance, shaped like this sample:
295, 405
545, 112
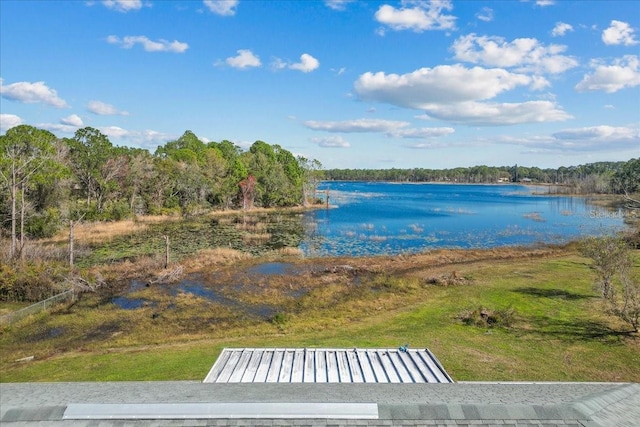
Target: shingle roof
457, 404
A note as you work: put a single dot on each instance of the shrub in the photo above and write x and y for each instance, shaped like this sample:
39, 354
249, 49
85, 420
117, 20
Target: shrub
44, 224
483, 317
30, 282
117, 211
612, 260
452, 279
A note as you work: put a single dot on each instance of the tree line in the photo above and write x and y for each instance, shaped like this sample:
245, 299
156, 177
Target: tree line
46, 181
599, 177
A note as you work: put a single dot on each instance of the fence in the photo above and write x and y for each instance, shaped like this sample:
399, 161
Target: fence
37, 307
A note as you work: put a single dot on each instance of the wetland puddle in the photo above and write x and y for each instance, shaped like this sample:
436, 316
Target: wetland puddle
130, 303
224, 288
272, 268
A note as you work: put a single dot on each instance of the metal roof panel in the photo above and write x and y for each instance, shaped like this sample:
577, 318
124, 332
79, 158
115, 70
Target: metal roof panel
332, 365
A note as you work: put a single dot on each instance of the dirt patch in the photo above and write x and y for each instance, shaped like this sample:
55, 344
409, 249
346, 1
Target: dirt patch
102, 332
450, 279
45, 334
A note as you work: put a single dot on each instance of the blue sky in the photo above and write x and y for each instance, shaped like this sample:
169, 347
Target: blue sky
354, 84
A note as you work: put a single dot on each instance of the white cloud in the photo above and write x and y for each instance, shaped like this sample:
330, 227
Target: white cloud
391, 128
331, 142
57, 128
72, 120
431, 145
149, 139
599, 134
337, 4
417, 15
307, 64
123, 5
222, 7
103, 109
148, 45
587, 139
421, 133
452, 93
8, 121
278, 64
561, 29
442, 84
544, 3
359, 125
114, 131
339, 71
32, 93
619, 33
244, 59
623, 73
527, 54
485, 14
497, 114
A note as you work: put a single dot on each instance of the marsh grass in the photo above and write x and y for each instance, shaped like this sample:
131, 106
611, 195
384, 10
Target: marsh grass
557, 331
92, 233
256, 237
214, 256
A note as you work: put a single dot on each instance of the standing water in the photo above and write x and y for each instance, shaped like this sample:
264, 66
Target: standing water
373, 218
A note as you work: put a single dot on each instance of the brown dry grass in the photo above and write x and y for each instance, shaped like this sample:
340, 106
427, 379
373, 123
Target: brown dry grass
289, 251
214, 256
254, 227
90, 233
217, 213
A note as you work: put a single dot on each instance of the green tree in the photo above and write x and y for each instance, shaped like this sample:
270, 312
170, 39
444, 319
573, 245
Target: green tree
187, 148
26, 155
270, 177
91, 160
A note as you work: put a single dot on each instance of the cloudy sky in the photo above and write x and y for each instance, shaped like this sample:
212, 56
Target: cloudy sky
352, 83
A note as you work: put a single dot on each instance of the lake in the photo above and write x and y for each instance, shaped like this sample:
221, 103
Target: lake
373, 218
379, 218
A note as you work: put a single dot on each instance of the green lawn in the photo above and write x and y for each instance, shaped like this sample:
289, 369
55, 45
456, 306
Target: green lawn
558, 332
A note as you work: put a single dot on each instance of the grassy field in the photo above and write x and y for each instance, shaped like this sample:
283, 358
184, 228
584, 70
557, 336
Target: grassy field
552, 329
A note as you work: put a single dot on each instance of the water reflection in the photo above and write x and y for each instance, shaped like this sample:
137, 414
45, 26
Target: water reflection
384, 218
127, 303
198, 287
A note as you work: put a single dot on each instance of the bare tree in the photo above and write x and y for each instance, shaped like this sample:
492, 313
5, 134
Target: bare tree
248, 187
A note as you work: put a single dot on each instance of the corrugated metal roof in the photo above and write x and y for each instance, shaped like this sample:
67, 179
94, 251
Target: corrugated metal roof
316, 365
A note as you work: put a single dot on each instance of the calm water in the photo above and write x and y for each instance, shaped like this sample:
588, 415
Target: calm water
389, 218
